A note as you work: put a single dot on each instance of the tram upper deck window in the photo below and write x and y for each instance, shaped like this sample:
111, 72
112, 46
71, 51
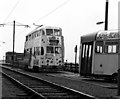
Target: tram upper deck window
49, 31
42, 51
111, 47
50, 49
43, 32
57, 32
99, 47
26, 38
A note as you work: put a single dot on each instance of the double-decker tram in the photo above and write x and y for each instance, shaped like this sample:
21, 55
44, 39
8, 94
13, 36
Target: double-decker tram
44, 49
99, 54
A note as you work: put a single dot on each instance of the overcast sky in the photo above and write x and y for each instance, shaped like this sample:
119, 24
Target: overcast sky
75, 17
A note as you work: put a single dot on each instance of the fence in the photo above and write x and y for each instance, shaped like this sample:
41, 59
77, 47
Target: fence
72, 67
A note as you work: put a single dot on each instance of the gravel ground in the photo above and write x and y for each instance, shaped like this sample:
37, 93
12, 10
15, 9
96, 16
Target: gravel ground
79, 85
9, 90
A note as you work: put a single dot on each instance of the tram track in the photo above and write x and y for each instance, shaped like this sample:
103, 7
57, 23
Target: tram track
45, 89
28, 92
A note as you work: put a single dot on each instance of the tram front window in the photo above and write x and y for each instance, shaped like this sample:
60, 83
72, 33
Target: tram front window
50, 49
49, 31
57, 50
99, 47
111, 47
57, 32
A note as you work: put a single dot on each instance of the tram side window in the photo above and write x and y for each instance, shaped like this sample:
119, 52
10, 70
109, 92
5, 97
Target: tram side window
43, 32
36, 50
26, 38
111, 47
42, 51
99, 47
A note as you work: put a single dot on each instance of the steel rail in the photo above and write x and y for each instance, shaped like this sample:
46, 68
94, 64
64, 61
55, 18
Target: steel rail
34, 94
67, 90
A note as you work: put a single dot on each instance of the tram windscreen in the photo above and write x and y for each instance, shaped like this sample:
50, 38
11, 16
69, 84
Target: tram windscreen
57, 50
50, 49
99, 47
111, 47
57, 32
49, 31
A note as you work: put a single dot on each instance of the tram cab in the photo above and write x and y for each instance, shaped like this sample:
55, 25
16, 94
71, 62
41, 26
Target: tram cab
99, 54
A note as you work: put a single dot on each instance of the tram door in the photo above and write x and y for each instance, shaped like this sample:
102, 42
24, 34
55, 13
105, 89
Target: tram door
86, 59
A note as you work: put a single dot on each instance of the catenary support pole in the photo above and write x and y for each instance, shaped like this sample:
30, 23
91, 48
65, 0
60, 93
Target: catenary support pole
118, 78
13, 42
75, 58
106, 15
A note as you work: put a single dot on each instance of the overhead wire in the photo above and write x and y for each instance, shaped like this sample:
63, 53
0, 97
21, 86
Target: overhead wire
52, 11
38, 19
13, 8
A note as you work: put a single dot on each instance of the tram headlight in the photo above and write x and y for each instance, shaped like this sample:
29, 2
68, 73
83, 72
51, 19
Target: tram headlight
47, 61
60, 61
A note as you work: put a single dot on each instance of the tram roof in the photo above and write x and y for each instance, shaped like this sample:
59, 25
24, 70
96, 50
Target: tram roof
89, 37
44, 27
100, 35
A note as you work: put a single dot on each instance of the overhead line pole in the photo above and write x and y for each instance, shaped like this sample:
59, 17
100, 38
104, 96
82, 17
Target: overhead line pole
106, 15
75, 57
118, 78
13, 56
13, 41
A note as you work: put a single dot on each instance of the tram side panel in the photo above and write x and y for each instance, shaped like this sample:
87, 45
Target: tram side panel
105, 64
97, 64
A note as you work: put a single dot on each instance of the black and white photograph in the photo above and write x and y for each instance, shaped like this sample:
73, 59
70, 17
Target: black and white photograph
60, 49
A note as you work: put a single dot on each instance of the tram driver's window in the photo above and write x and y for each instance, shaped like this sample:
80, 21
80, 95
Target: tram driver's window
50, 49
99, 47
111, 47
49, 31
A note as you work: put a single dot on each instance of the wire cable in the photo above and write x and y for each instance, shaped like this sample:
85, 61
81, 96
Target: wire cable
53, 10
12, 10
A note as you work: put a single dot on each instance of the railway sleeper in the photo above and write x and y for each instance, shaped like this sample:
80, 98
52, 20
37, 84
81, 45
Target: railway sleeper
39, 87
23, 96
65, 97
55, 94
47, 91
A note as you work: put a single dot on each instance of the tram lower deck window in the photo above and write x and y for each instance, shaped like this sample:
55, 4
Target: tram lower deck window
50, 49
57, 50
